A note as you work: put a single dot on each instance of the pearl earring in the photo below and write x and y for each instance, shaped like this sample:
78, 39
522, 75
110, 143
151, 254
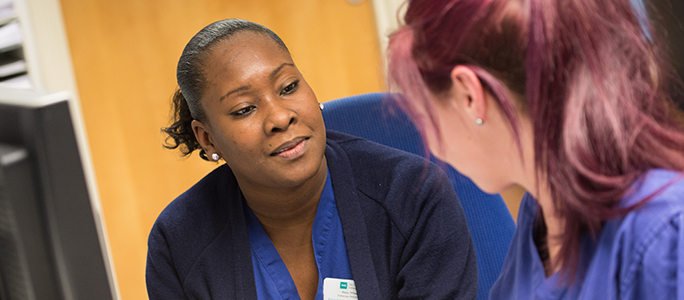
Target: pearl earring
320, 105
479, 121
215, 156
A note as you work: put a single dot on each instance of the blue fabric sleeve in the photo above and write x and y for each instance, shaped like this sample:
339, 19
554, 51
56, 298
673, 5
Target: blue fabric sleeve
660, 274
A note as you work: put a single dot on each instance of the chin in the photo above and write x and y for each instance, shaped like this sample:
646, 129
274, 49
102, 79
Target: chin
298, 176
296, 180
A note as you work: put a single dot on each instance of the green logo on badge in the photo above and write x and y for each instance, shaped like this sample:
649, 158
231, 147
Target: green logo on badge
343, 285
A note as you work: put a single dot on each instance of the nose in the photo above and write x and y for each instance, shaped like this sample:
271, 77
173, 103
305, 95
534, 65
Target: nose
279, 117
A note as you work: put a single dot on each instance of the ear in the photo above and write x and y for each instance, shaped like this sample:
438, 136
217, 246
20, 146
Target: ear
467, 89
203, 136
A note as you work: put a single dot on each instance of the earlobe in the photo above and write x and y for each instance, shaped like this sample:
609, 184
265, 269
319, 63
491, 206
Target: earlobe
203, 136
467, 85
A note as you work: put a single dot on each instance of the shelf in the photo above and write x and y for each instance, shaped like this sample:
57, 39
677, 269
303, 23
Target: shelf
12, 68
10, 36
19, 82
7, 13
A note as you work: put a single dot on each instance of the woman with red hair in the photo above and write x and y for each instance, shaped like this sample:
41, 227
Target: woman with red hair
566, 98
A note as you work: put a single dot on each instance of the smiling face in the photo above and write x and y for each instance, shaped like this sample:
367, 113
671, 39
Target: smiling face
263, 119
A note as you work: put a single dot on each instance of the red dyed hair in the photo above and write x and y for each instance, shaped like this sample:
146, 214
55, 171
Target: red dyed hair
586, 73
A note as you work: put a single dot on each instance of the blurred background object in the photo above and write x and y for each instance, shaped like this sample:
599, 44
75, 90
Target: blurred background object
668, 18
53, 245
13, 69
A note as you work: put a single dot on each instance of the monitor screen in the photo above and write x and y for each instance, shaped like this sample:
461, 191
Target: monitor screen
52, 245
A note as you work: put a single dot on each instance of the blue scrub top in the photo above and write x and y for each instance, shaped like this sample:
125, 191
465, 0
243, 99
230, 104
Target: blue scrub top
636, 256
272, 279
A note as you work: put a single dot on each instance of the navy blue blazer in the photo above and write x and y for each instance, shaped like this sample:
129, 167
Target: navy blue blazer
405, 231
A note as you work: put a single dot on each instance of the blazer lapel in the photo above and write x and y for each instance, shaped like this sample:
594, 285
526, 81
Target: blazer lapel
355, 235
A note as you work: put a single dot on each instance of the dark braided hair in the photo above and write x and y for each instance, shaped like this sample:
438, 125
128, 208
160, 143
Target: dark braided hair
192, 82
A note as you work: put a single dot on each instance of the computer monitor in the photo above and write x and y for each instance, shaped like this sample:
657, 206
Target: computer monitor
52, 244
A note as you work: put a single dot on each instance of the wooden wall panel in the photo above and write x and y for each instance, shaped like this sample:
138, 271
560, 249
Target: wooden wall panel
125, 54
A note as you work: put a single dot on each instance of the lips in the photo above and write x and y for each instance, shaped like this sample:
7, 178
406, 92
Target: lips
291, 149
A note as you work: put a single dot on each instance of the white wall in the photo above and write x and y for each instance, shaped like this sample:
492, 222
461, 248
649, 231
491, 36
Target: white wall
387, 20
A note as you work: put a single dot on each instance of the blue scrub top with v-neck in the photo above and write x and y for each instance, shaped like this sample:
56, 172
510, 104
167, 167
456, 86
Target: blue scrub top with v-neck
272, 279
636, 256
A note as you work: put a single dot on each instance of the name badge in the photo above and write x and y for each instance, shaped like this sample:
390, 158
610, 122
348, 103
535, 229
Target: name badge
339, 289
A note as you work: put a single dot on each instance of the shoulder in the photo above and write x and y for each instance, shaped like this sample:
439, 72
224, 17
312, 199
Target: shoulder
200, 200
664, 194
413, 218
197, 215
193, 220
392, 182
377, 168
649, 237
360, 147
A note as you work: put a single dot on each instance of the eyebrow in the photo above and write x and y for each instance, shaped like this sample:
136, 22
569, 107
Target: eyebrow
242, 88
246, 87
275, 72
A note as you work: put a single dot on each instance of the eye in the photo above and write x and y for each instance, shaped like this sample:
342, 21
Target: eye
290, 88
243, 111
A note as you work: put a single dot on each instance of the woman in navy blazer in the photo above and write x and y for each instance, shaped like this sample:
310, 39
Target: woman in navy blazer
295, 212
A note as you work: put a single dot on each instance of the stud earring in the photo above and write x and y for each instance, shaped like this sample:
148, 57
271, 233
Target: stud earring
215, 156
479, 121
320, 105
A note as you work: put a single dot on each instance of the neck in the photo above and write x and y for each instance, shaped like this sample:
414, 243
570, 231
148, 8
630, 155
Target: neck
552, 221
554, 229
537, 185
287, 214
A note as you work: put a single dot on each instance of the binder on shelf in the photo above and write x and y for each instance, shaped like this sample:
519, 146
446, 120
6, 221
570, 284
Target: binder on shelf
7, 13
13, 67
19, 82
10, 36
